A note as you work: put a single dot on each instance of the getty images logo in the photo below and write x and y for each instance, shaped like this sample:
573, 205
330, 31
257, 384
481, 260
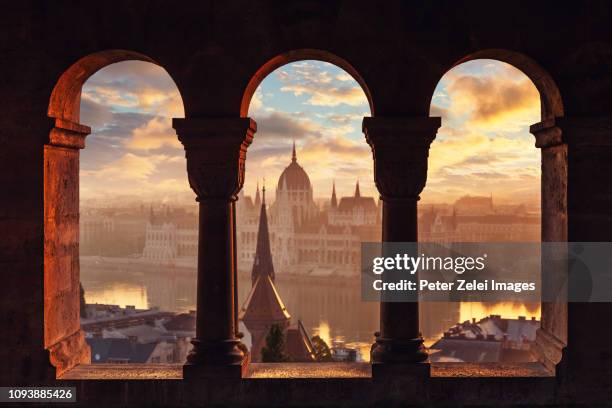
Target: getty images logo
412, 264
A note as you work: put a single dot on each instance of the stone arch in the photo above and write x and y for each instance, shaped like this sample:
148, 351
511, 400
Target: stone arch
66, 95
551, 338
299, 55
63, 337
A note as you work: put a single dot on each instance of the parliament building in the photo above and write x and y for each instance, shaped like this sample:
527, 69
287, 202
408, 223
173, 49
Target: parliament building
304, 237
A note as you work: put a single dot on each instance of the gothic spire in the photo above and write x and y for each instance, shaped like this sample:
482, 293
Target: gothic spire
263, 195
257, 197
293, 154
334, 200
262, 264
357, 192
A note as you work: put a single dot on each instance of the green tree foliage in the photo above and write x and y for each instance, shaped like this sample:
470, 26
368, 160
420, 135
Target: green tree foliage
321, 350
82, 300
274, 350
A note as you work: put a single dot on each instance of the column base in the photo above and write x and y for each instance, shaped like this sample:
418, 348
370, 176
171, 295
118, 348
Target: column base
397, 351
217, 359
401, 370
70, 352
204, 371
548, 349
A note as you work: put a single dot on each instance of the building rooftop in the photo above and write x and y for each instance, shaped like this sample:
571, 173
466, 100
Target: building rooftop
105, 350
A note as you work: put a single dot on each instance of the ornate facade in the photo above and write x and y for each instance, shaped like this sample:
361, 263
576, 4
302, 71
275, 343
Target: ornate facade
476, 219
170, 236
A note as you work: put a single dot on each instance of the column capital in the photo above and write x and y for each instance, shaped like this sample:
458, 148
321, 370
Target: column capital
583, 131
547, 133
68, 134
400, 148
215, 149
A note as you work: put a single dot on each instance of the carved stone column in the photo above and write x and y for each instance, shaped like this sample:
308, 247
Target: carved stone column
576, 207
551, 337
400, 147
64, 338
216, 151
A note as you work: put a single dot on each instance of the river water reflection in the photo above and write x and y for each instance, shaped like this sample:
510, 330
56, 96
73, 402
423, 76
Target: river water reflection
328, 307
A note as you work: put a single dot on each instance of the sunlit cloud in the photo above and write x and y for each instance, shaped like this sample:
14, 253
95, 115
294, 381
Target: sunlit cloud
127, 167
133, 149
343, 76
156, 133
320, 88
484, 145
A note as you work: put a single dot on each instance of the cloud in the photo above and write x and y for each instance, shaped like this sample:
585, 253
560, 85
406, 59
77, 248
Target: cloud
439, 111
484, 144
131, 174
94, 114
108, 139
482, 147
134, 86
500, 99
345, 118
280, 125
154, 134
320, 88
127, 167
490, 102
343, 76
320, 96
256, 104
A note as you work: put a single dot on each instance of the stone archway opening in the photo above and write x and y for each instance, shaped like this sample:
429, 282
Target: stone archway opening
320, 204
488, 96
64, 337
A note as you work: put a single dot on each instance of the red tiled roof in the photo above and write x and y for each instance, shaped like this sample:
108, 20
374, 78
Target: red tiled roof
264, 304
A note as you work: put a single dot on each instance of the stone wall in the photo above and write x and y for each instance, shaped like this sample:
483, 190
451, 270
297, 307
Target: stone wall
216, 52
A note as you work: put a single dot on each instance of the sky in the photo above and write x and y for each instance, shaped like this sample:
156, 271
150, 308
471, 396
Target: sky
483, 146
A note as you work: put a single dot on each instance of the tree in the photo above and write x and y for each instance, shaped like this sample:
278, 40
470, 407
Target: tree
321, 350
274, 350
82, 300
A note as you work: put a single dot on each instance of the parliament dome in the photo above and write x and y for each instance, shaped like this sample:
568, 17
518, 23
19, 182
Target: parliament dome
294, 177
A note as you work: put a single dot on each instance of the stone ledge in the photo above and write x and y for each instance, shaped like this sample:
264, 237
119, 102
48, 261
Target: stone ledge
309, 370
124, 372
302, 370
476, 370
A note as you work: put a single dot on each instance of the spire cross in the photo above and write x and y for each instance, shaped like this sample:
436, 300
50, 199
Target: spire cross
263, 192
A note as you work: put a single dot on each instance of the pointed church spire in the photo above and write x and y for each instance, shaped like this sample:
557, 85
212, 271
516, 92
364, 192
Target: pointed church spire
262, 264
357, 192
263, 194
334, 200
293, 155
257, 197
